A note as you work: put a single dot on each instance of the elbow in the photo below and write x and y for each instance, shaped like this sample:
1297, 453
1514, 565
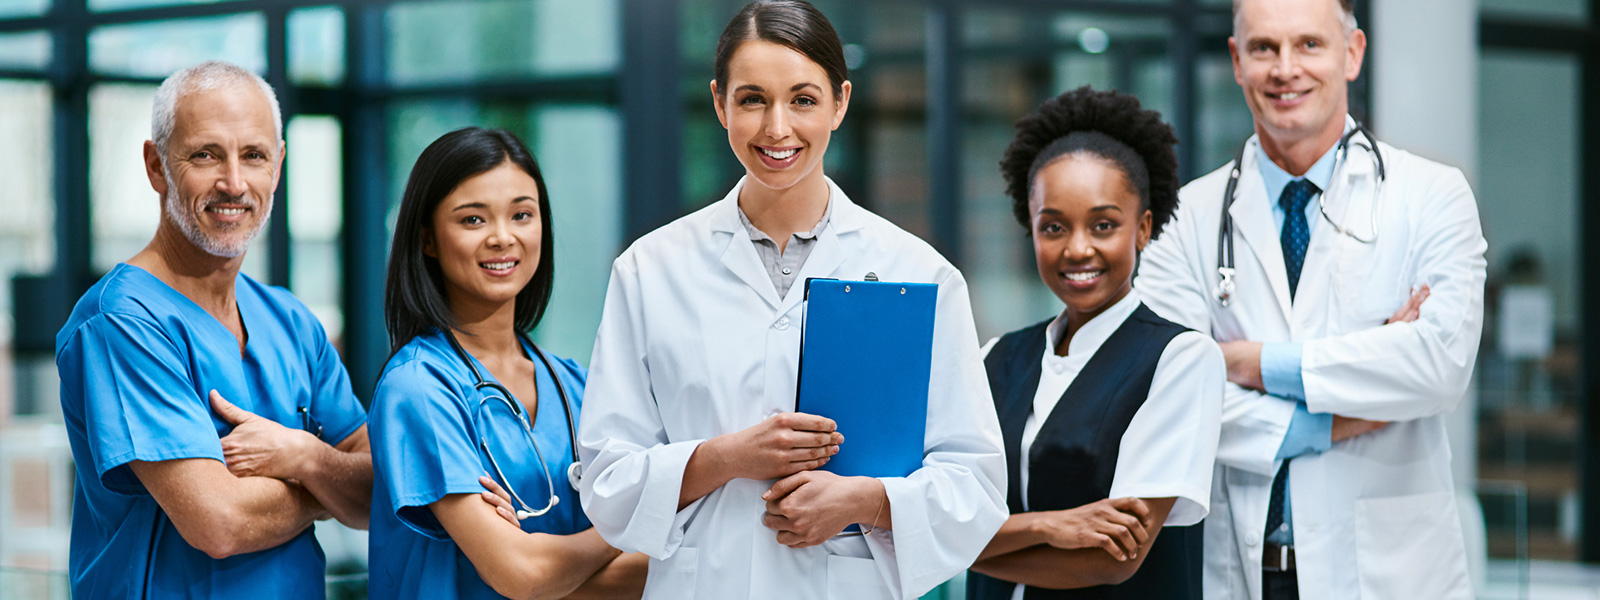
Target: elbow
531, 582
220, 535
1119, 573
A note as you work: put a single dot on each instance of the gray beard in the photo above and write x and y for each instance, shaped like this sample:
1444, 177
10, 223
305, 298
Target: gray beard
187, 223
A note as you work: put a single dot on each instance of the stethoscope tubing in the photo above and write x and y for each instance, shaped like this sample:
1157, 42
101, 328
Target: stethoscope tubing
1225, 263
574, 471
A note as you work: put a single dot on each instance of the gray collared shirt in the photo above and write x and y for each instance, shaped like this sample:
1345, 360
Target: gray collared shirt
784, 267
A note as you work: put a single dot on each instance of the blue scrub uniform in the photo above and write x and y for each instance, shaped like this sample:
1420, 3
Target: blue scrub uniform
137, 361
425, 446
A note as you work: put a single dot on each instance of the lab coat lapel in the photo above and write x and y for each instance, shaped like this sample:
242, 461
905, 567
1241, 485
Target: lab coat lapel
829, 254
739, 255
1252, 217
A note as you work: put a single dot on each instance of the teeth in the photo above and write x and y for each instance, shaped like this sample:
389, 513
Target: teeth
1289, 96
780, 155
499, 266
228, 211
1083, 276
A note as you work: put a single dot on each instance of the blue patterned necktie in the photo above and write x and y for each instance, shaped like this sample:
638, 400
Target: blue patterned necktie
1295, 238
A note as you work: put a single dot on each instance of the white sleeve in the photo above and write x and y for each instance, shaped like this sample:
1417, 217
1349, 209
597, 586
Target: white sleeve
946, 512
1171, 443
1172, 282
633, 476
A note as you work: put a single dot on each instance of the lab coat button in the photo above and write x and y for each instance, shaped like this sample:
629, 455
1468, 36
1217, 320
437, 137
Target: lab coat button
783, 323
787, 270
1253, 539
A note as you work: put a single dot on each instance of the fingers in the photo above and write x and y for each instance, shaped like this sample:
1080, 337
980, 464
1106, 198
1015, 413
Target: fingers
804, 422
1133, 506
230, 413
494, 488
785, 486
1412, 309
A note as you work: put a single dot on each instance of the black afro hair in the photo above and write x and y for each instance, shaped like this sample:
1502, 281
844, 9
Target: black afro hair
1116, 115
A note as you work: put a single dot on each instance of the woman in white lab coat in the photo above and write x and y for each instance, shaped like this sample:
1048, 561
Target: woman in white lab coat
694, 456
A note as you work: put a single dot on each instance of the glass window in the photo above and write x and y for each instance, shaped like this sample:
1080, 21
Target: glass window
1223, 121
99, 5
29, 50
27, 235
1563, 10
159, 48
316, 46
23, 8
451, 42
124, 208
1528, 381
316, 215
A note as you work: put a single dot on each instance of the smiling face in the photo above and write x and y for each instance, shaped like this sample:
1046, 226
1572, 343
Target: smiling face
1294, 60
1087, 230
221, 168
486, 236
780, 112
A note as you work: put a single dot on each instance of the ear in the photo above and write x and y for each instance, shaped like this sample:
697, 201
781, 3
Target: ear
1146, 225
154, 170
430, 244
844, 104
716, 102
1233, 53
1356, 53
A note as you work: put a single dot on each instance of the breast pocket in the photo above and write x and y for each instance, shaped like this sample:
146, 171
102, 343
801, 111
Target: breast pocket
673, 577
1368, 295
1411, 547
853, 578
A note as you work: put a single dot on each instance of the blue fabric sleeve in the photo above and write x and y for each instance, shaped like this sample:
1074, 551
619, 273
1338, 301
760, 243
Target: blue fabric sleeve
333, 402
139, 402
1280, 369
1307, 433
423, 448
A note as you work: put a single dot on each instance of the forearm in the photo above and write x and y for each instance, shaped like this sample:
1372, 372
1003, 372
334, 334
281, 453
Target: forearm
705, 472
342, 482
557, 566
1016, 534
1054, 568
224, 515
623, 577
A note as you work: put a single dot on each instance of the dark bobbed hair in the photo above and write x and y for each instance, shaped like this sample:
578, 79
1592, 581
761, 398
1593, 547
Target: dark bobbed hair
795, 24
1120, 132
414, 299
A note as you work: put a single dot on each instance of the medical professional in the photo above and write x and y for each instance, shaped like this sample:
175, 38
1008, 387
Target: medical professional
1344, 278
694, 453
472, 424
210, 418
1105, 400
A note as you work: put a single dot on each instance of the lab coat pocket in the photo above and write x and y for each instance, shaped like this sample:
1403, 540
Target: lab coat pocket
853, 578
1411, 547
1367, 297
675, 576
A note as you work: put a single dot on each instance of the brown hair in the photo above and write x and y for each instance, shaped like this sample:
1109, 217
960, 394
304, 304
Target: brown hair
794, 24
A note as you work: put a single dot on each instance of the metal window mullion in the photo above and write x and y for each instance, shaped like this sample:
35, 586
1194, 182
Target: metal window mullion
279, 240
944, 99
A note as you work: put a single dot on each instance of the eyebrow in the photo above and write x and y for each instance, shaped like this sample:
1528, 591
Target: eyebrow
1101, 208
482, 205
750, 87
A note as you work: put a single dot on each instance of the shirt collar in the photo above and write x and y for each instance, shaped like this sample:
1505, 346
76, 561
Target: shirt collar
1274, 178
757, 235
1094, 333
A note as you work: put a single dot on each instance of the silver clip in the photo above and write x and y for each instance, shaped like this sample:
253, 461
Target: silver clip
1225, 288
870, 276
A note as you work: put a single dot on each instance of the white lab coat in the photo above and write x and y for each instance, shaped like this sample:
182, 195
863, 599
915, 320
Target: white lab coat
695, 342
1374, 516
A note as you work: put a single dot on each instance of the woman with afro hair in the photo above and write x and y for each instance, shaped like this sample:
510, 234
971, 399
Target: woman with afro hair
1110, 413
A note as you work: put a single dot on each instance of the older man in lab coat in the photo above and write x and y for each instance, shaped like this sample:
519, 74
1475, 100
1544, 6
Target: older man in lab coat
1350, 317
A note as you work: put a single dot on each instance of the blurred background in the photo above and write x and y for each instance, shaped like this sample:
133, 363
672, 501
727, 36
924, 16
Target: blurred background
612, 97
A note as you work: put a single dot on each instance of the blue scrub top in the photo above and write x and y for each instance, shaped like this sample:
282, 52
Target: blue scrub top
137, 361
425, 446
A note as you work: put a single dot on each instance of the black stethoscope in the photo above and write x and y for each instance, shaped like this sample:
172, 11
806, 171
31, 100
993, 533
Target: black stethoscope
495, 391
1226, 286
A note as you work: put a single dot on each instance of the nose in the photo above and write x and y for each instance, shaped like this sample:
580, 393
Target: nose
499, 234
1078, 247
776, 123
1287, 66
231, 181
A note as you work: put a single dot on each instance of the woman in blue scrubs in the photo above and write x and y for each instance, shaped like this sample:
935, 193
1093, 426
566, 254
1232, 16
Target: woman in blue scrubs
468, 403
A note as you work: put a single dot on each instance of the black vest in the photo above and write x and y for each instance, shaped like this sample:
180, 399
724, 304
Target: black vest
1074, 457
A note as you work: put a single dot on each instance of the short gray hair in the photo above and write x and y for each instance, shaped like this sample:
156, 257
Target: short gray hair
206, 76
1347, 12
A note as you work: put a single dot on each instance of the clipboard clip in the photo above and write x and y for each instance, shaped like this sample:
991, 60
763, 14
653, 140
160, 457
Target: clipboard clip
870, 276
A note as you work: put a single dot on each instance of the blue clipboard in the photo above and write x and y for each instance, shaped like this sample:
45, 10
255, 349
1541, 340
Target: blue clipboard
866, 354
